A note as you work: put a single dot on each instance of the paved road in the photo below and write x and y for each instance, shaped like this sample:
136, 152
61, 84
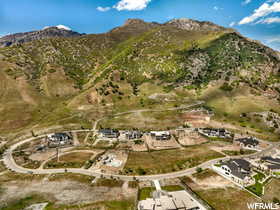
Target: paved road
11, 164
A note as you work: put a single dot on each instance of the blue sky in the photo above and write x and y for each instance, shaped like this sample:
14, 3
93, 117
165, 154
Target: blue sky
256, 19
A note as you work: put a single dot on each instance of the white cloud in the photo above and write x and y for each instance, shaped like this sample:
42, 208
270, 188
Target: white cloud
232, 24
270, 20
63, 27
103, 9
264, 10
131, 5
216, 8
246, 2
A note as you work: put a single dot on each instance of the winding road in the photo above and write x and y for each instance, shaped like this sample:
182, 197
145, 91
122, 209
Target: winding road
12, 165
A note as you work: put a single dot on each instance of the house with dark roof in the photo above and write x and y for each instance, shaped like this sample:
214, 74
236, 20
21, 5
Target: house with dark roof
215, 133
133, 134
248, 143
109, 133
238, 170
272, 164
161, 135
57, 139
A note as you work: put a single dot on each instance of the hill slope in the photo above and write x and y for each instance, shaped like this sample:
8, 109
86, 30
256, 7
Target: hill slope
94, 74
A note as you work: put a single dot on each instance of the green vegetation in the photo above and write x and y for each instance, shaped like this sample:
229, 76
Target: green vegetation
145, 193
171, 188
71, 160
239, 152
23, 203
257, 188
108, 182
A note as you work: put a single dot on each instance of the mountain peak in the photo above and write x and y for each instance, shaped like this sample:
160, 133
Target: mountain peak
60, 27
194, 25
132, 21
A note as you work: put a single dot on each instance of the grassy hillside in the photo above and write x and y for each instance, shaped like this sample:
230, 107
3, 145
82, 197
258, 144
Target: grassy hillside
75, 80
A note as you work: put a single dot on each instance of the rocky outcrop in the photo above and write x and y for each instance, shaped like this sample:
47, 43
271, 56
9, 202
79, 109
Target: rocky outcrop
194, 25
49, 32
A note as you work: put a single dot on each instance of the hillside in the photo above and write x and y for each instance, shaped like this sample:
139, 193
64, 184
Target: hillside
82, 77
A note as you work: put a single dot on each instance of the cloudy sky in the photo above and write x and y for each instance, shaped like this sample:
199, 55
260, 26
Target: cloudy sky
257, 19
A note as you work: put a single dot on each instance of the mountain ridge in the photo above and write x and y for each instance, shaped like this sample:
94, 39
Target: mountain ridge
112, 69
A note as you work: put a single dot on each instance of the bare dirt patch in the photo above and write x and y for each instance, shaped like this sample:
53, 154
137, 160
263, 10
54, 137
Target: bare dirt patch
190, 137
154, 144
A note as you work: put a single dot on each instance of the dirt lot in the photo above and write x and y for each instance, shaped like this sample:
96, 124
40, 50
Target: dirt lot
190, 137
115, 166
209, 179
154, 144
47, 154
131, 145
196, 119
272, 190
222, 146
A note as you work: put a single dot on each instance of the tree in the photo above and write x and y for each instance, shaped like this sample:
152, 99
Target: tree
198, 170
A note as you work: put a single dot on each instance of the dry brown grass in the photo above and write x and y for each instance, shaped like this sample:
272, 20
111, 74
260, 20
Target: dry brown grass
272, 190
168, 160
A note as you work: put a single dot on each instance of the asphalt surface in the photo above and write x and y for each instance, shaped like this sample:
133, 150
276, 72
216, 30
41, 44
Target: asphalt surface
11, 164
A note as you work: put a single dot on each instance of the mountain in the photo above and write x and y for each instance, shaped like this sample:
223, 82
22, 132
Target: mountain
56, 74
48, 32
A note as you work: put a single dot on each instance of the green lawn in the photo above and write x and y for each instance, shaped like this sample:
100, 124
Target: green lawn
257, 188
145, 193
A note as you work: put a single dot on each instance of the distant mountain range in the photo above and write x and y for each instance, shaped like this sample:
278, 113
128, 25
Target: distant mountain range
57, 65
48, 32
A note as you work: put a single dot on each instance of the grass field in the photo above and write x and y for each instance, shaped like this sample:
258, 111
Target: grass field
171, 188
228, 106
227, 198
168, 160
23, 203
71, 160
239, 152
108, 183
145, 193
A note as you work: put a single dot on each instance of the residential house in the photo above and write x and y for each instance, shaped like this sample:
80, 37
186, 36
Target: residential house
58, 139
109, 133
215, 132
239, 170
272, 164
161, 135
248, 143
133, 135
180, 200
